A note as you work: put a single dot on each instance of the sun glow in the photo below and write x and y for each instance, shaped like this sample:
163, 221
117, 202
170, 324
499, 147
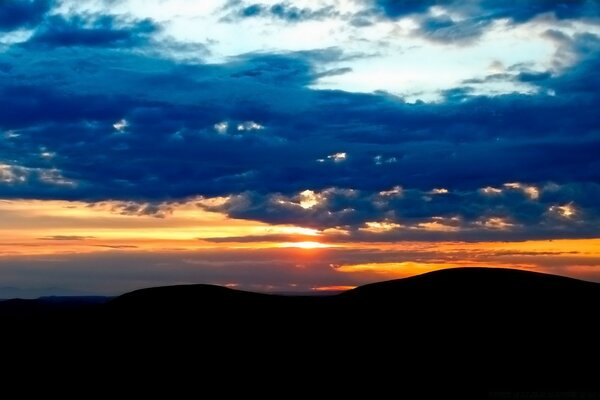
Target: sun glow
305, 245
76, 227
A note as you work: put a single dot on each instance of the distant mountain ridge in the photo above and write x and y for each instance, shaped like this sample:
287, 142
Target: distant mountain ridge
481, 326
457, 284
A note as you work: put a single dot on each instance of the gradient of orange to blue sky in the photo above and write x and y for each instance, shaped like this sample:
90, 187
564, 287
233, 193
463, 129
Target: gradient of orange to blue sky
294, 146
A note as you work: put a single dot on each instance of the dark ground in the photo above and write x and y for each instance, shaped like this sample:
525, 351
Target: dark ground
462, 329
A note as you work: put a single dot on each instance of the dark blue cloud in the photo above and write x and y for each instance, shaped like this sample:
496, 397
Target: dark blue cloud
281, 11
16, 14
95, 123
252, 11
492, 213
102, 31
534, 76
517, 10
401, 8
446, 30
520, 11
477, 15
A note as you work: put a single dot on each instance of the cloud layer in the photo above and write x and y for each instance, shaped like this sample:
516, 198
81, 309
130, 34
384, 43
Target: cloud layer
16, 14
93, 109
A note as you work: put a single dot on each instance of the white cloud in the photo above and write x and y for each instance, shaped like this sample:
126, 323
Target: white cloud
395, 191
380, 160
221, 127
338, 157
54, 177
12, 174
121, 125
565, 210
249, 126
529, 190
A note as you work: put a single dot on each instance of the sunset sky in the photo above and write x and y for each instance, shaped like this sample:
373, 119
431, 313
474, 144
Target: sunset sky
294, 146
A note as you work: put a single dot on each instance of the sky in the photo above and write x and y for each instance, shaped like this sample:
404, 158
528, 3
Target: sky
294, 146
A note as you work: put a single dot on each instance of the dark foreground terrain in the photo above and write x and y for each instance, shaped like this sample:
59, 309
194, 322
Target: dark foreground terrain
464, 328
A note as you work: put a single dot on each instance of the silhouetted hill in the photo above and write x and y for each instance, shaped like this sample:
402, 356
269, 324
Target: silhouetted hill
469, 294
475, 280
471, 326
482, 294
186, 296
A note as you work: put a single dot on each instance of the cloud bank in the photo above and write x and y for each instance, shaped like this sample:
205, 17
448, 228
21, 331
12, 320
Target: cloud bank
91, 111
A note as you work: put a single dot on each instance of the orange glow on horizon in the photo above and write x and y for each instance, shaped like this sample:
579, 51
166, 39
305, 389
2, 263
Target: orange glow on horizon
394, 270
337, 288
36, 228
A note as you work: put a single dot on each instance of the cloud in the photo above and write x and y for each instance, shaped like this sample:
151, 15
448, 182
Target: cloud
562, 9
280, 11
462, 22
275, 238
116, 246
98, 31
156, 209
512, 211
15, 14
492, 9
444, 29
400, 8
66, 237
334, 72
